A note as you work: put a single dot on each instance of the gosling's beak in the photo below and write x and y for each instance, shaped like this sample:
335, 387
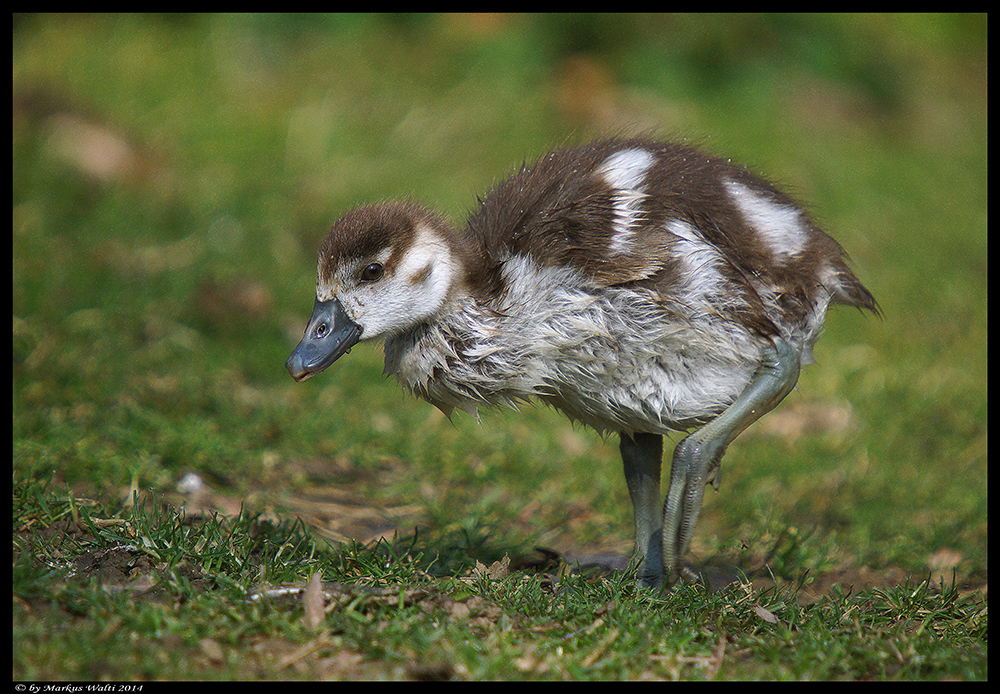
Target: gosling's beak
329, 335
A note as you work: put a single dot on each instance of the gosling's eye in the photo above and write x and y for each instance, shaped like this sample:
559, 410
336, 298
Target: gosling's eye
372, 273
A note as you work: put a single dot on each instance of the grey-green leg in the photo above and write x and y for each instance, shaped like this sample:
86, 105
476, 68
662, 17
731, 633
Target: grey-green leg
698, 456
642, 455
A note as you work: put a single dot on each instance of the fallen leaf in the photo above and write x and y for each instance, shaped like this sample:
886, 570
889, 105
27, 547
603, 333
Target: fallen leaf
212, 650
498, 570
764, 614
312, 601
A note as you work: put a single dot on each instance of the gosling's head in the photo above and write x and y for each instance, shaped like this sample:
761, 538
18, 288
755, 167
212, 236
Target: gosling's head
382, 269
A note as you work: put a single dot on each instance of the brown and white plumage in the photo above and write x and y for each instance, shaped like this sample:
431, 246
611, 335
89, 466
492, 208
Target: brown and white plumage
640, 287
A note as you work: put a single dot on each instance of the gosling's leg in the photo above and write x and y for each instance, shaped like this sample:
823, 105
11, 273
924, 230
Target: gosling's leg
698, 456
642, 456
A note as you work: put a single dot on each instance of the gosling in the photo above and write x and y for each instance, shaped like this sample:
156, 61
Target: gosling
640, 287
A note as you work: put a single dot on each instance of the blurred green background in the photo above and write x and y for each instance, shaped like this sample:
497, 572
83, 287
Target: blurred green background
173, 176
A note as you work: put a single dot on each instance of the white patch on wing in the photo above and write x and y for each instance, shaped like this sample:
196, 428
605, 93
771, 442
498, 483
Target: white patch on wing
701, 281
625, 171
780, 227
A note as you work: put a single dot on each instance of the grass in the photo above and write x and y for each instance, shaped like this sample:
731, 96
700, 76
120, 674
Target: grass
172, 179
396, 610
